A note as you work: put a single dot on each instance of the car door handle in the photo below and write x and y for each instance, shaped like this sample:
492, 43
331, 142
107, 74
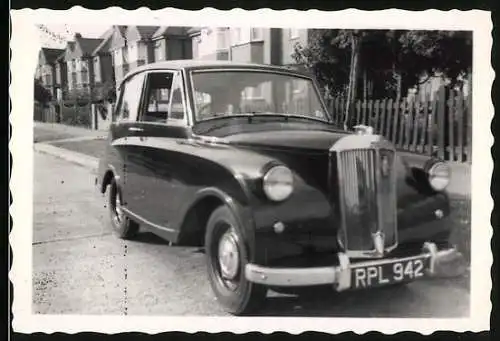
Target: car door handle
135, 129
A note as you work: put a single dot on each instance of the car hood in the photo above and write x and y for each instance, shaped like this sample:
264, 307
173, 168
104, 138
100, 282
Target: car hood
286, 139
306, 152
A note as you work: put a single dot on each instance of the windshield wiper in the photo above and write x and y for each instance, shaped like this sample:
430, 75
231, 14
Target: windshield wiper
251, 115
288, 116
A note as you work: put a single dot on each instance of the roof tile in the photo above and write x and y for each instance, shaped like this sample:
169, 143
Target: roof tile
51, 54
88, 45
147, 32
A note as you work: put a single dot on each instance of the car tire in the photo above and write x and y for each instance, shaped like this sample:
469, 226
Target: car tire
226, 257
122, 226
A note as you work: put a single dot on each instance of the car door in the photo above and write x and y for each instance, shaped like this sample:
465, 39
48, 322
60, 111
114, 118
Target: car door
162, 117
124, 125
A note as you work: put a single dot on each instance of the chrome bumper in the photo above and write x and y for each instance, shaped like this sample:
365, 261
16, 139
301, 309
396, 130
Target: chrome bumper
340, 275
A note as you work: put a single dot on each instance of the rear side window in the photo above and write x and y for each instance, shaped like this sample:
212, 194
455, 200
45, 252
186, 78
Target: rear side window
130, 98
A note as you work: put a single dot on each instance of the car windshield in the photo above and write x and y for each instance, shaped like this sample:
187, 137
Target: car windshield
236, 93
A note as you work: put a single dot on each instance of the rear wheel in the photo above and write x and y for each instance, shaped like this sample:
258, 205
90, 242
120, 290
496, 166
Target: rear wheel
226, 259
122, 226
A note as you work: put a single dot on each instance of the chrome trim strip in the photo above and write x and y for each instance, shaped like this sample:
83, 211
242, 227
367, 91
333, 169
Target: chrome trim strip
291, 276
137, 217
251, 69
139, 69
350, 142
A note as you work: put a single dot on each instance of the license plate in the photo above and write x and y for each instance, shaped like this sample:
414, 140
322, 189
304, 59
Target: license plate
369, 276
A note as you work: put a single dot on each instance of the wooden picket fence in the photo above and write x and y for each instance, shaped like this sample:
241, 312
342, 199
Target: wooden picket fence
44, 113
441, 126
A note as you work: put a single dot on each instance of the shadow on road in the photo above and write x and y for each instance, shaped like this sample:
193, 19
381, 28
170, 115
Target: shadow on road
149, 238
382, 302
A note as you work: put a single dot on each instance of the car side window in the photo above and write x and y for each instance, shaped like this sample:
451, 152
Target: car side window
130, 98
159, 88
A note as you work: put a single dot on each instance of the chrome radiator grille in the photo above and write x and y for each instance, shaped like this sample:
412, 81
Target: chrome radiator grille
367, 200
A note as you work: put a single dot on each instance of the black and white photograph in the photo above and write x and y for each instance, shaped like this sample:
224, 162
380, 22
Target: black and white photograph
182, 167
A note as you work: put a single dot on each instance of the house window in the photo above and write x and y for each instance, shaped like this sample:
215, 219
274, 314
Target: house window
237, 36
256, 34
85, 76
222, 39
58, 74
133, 53
117, 57
196, 47
124, 55
158, 51
97, 70
294, 33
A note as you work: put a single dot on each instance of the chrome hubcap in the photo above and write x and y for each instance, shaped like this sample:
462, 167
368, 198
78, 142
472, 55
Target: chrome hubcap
229, 257
118, 207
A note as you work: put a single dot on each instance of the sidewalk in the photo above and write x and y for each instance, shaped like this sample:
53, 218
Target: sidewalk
45, 132
50, 137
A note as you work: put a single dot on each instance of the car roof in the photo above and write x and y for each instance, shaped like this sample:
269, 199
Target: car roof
193, 64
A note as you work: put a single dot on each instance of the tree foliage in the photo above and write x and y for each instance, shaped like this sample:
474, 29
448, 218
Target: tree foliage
42, 95
391, 60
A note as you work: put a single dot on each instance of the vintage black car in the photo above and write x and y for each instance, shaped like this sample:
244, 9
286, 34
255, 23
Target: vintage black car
244, 160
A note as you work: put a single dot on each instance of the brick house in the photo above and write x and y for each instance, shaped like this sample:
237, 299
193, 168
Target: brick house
104, 78
80, 65
210, 43
47, 69
133, 46
171, 43
290, 37
251, 45
61, 71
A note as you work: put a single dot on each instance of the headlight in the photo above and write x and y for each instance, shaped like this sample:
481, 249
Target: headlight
278, 183
438, 175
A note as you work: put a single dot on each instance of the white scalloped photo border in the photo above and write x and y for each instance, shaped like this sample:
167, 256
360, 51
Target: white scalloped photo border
25, 44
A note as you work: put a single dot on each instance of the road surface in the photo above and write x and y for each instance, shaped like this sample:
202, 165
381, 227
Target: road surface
80, 268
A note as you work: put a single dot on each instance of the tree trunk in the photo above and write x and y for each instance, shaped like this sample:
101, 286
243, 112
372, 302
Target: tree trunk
351, 94
349, 89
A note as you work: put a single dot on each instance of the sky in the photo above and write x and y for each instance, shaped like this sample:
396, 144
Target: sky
66, 32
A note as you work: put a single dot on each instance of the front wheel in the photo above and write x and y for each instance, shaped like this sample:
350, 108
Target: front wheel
226, 259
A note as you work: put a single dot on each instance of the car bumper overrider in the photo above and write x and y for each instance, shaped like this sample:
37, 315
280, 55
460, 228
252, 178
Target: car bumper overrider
431, 262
